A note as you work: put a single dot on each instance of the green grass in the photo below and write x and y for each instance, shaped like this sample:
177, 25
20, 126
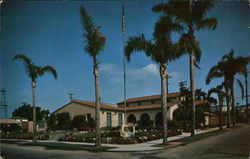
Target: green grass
64, 146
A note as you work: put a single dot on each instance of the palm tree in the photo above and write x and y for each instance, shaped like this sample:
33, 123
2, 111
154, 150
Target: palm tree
221, 94
94, 43
245, 72
191, 14
161, 50
228, 67
34, 72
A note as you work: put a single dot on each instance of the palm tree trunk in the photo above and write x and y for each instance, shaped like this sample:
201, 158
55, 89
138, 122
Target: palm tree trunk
191, 64
220, 110
246, 98
33, 85
228, 104
233, 102
97, 104
164, 102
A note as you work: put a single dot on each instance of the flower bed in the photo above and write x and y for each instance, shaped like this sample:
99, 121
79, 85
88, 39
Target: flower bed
114, 137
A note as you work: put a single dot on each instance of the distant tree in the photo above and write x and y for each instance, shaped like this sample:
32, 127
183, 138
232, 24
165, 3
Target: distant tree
26, 111
63, 121
79, 122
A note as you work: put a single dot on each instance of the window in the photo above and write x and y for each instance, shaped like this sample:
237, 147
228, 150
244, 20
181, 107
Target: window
139, 103
109, 120
120, 119
152, 102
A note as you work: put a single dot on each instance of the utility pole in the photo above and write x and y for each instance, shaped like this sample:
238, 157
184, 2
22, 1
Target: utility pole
4, 110
182, 85
168, 76
71, 96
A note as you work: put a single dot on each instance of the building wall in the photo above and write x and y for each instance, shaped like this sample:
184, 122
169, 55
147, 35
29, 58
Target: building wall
75, 109
114, 116
152, 113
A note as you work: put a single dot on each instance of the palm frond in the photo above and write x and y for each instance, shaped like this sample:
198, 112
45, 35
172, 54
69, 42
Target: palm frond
22, 57
214, 72
208, 23
46, 69
94, 39
241, 88
159, 7
87, 22
228, 56
138, 43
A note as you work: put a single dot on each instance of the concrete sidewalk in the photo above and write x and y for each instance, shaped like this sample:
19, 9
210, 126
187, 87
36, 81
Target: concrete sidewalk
146, 146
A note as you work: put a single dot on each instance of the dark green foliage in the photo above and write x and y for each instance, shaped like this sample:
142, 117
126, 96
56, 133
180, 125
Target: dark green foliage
25, 111
10, 128
145, 121
90, 122
159, 120
183, 114
52, 122
174, 125
63, 121
79, 122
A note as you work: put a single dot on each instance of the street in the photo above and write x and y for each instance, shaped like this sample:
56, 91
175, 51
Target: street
232, 144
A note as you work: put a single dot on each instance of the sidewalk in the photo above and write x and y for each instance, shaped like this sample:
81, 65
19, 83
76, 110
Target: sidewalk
146, 146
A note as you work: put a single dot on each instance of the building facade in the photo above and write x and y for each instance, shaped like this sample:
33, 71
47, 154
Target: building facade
137, 109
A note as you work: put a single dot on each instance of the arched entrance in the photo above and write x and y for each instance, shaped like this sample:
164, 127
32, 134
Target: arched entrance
131, 119
145, 120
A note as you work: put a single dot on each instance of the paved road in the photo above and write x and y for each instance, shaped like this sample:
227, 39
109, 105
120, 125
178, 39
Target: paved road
234, 144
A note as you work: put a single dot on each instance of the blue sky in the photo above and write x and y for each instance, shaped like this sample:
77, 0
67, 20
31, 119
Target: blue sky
50, 33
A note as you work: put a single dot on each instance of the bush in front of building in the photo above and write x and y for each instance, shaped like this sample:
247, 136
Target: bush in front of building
63, 121
25, 135
10, 128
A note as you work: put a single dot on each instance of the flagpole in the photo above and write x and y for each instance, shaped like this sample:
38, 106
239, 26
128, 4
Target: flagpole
124, 63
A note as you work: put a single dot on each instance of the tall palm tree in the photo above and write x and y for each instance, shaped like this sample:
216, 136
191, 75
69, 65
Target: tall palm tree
220, 94
245, 72
94, 42
192, 16
228, 67
161, 50
34, 72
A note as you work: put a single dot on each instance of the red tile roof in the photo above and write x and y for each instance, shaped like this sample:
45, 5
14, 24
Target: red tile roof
151, 106
102, 105
132, 108
145, 98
